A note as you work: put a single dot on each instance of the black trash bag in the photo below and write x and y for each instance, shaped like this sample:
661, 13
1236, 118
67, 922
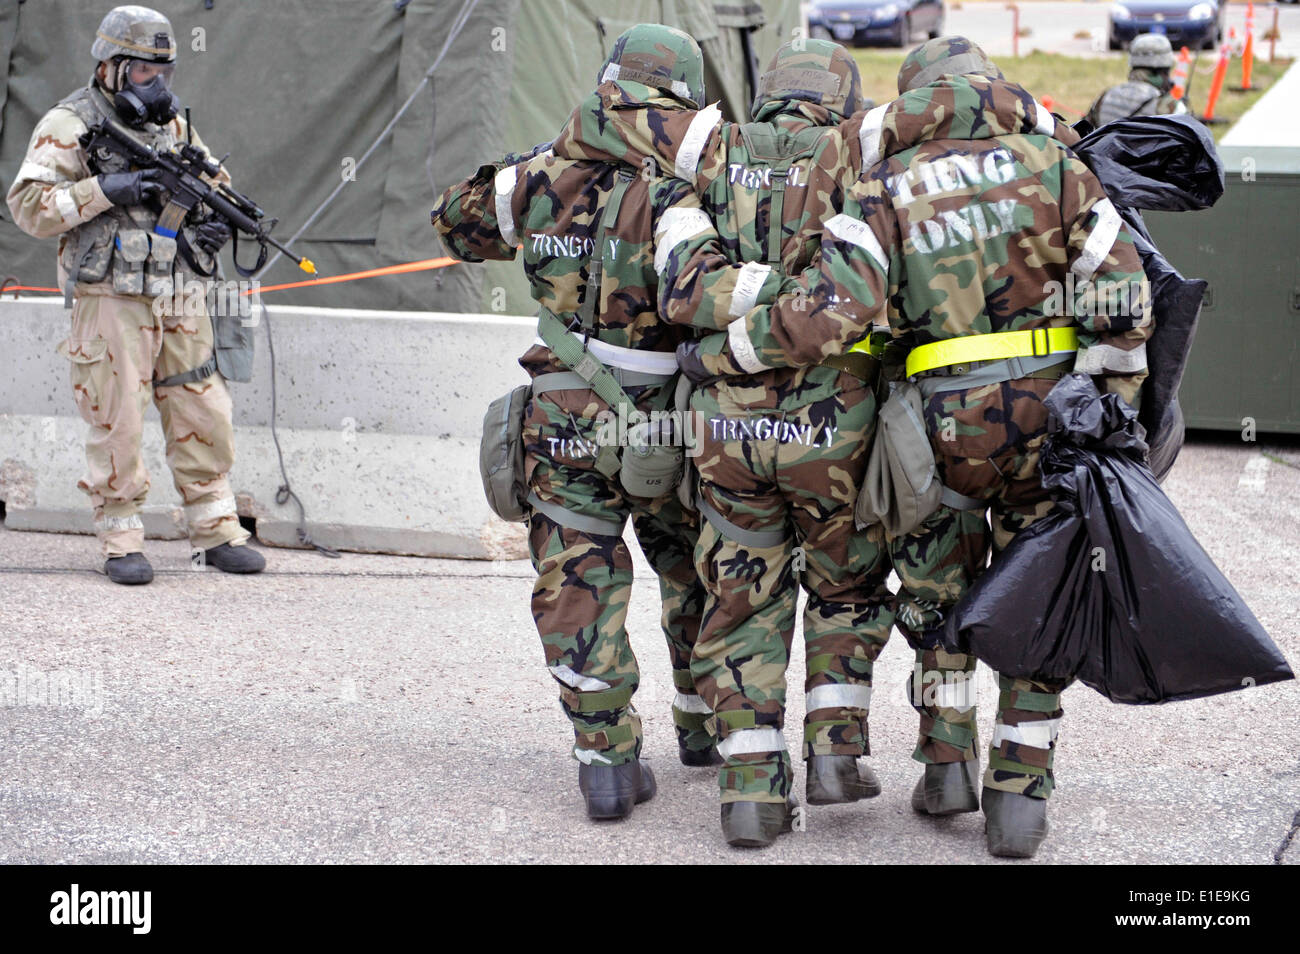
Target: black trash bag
1111, 587
1167, 163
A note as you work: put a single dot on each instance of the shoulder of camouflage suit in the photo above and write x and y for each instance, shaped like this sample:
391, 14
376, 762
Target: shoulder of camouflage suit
55, 190
547, 205
695, 293
903, 235
648, 131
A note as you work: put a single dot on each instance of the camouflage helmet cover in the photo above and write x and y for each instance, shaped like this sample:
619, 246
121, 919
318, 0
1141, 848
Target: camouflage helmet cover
137, 32
944, 56
814, 71
660, 57
1152, 51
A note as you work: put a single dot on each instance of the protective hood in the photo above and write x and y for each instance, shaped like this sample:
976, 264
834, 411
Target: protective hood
596, 128
965, 107
809, 71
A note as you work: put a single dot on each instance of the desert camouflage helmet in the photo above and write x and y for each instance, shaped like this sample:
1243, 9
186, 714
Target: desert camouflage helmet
944, 56
137, 32
815, 71
658, 56
1151, 51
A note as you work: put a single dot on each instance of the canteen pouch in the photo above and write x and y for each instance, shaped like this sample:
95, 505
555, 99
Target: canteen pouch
902, 487
652, 460
501, 455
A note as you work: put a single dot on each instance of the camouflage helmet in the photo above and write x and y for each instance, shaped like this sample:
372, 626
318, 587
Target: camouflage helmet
137, 32
944, 56
660, 57
814, 71
1151, 51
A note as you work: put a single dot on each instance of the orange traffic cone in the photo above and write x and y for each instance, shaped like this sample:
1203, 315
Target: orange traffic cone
1248, 52
1179, 88
1216, 86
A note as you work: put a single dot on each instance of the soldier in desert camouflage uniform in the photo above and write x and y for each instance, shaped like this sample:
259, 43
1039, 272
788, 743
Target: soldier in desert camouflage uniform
783, 451
958, 234
550, 204
115, 266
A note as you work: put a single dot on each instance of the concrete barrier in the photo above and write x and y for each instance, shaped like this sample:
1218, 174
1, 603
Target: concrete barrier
378, 415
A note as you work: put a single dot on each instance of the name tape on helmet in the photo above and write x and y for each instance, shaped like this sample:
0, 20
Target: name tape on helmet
804, 80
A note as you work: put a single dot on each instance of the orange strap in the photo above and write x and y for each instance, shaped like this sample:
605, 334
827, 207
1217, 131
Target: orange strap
6, 287
420, 266
368, 273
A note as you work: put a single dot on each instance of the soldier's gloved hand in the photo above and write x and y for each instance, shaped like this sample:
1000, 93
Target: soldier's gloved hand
212, 236
689, 360
514, 158
130, 188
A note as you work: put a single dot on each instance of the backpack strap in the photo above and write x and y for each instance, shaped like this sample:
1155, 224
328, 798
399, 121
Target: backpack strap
779, 150
596, 267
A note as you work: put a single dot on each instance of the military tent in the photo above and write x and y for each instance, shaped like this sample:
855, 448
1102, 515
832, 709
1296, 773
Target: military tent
298, 92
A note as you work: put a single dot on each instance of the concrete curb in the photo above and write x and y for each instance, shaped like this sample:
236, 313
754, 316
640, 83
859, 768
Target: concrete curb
377, 412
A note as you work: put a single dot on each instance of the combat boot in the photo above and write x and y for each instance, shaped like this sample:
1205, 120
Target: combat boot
612, 790
1015, 825
756, 824
235, 559
699, 757
835, 779
947, 788
130, 570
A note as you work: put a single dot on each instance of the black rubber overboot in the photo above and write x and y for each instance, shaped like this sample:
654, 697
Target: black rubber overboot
232, 559
756, 824
1015, 825
130, 570
836, 779
612, 790
947, 788
698, 757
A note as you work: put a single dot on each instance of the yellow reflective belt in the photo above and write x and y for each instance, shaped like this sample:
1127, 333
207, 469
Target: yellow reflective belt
991, 347
869, 346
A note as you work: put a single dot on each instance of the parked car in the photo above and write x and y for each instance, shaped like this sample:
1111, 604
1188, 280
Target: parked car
1191, 23
859, 22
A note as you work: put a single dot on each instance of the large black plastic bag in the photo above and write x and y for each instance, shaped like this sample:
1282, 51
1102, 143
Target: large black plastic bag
1167, 163
1111, 587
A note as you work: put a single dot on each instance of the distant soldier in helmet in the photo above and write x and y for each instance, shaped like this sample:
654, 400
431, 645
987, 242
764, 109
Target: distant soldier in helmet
1150, 58
117, 263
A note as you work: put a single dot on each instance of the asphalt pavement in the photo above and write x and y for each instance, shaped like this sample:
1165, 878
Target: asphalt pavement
390, 709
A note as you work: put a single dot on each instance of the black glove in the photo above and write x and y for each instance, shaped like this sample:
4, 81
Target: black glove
688, 359
514, 158
211, 236
130, 188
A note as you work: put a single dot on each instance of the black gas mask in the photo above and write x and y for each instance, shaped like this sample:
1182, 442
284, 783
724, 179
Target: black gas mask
139, 100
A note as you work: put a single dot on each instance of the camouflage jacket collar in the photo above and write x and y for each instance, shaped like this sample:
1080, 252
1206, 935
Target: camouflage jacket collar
588, 132
795, 114
966, 107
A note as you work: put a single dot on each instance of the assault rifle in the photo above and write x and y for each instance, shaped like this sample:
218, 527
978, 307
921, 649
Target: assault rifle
181, 170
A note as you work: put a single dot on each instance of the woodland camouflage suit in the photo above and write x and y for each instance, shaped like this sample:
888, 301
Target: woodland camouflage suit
547, 206
783, 451
973, 210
